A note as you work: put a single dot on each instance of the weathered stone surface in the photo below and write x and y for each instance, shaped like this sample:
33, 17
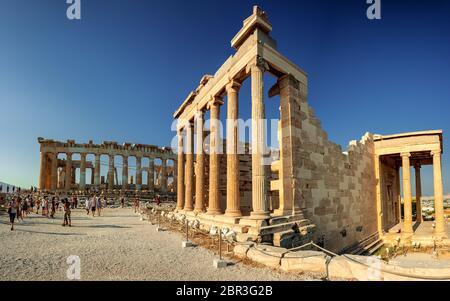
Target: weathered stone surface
304, 261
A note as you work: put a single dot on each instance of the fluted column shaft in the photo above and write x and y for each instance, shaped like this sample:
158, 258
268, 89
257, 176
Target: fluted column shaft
111, 172
418, 194
200, 166
83, 171
233, 194
259, 181
180, 172
214, 161
164, 175
97, 170
125, 173
407, 198
188, 205
440, 228
68, 179
138, 173
42, 171
54, 172
151, 175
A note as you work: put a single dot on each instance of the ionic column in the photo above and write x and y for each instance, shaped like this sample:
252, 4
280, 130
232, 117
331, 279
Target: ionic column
233, 194
97, 170
54, 181
440, 230
138, 173
200, 166
214, 161
259, 181
42, 171
418, 193
180, 172
407, 205
151, 175
164, 175
189, 172
111, 172
124, 173
82, 171
68, 171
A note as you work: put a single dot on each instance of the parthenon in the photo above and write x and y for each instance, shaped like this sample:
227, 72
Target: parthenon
60, 174
313, 190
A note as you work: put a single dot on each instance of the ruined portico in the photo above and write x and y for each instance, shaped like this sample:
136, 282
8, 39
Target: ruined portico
59, 174
312, 190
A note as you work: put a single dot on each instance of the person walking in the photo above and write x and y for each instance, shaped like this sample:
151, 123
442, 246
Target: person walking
53, 208
12, 211
99, 205
122, 201
136, 204
67, 220
93, 205
87, 205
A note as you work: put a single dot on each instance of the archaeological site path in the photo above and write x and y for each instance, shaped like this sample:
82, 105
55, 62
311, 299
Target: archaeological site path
116, 246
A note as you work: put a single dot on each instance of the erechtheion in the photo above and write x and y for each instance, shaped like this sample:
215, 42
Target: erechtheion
313, 190
59, 174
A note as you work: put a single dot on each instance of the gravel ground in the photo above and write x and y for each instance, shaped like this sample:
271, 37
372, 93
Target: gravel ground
115, 246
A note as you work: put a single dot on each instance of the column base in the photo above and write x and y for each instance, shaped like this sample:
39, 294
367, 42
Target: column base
188, 209
259, 215
233, 213
214, 212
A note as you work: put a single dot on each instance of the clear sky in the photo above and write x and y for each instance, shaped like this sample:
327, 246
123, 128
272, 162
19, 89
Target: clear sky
121, 71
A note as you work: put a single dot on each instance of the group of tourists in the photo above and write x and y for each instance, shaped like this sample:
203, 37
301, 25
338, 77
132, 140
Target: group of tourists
95, 204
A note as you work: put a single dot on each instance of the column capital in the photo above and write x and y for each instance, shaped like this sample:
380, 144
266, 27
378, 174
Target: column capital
436, 153
214, 101
417, 166
258, 63
406, 154
233, 86
83, 155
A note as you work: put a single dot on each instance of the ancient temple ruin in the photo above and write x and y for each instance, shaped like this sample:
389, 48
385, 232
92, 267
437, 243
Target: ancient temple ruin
314, 190
58, 174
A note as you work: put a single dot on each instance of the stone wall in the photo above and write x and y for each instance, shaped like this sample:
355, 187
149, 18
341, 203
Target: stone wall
335, 190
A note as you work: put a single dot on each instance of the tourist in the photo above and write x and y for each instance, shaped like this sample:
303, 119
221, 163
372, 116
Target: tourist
136, 205
31, 204
24, 208
19, 209
38, 205
75, 202
57, 203
12, 211
122, 201
87, 206
93, 205
53, 208
67, 220
99, 205
45, 207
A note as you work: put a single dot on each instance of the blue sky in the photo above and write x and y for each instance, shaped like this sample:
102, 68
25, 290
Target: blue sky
121, 71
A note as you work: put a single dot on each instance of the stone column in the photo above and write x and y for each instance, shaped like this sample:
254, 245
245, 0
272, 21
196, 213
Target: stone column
440, 230
83, 171
92, 175
214, 161
151, 174
42, 171
97, 170
200, 166
418, 193
259, 181
407, 198
164, 175
180, 172
233, 194
111, 172
68, 171
54, 182
138, 173
124, 173
189, 172
378, 195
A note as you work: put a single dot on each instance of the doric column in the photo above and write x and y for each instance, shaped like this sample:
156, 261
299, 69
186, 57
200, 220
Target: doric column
189, 172
378, 195
259, 181
92, 176
164, 175
200, 166
180, 171
440, 230
54, 182
407, 198
68, 171
418, 193
214, 161
151, 174
124, 172
111, 172
83, 171
138, 173
233, 194
97, 170
42, 171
